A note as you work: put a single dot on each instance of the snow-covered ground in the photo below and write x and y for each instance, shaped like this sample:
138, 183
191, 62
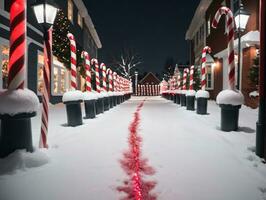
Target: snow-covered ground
193, 159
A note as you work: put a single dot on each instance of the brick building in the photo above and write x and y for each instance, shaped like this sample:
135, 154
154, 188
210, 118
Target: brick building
80, 25
217, 77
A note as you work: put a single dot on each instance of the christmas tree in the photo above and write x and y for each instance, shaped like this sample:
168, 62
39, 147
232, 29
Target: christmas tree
197, 78
254, 72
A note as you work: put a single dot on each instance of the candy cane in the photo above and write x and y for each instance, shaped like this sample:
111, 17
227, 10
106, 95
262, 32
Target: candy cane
115, 81
16, 71
46, 90
191, 78
203, 67
230, 25
86, 58
97, 74
73, 61
178, 81
110, 79
103, 68
185, 79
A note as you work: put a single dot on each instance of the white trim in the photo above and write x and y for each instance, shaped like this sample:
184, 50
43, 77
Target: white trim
4, 27
4, 13
35, 29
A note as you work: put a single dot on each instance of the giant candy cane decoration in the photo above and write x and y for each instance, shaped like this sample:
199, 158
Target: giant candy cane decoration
103, 68
185, 79
230, 25
205, 50
97, 74
110, 79
191, 78
73, 60
87, 64
16, 71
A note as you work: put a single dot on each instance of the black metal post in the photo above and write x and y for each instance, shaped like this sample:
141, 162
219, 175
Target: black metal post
239, 58
260, 131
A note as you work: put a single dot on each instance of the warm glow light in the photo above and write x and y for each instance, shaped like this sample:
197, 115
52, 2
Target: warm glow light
45, 13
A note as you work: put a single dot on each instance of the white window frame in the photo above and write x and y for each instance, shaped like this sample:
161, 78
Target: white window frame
212, 77
70, 14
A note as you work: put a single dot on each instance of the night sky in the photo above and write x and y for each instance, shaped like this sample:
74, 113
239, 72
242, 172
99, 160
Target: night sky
154, 29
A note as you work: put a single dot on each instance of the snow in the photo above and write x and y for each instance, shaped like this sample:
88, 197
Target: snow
230, 97
178, 91
89, 96
73, 95
202, 94
254, 94
191, 93
18, 101
191, 162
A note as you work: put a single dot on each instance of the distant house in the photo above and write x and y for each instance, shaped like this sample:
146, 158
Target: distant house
200, 34
150, 79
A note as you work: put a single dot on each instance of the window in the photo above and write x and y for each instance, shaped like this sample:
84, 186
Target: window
209, 26
40, 82
4, 61
80, 20
210, 77
70, 10
236, 5
2, 4
59, 78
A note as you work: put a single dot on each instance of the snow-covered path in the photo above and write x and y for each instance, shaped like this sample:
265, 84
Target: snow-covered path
193, 159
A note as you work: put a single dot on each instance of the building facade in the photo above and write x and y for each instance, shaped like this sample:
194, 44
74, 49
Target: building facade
80, 25
217, 77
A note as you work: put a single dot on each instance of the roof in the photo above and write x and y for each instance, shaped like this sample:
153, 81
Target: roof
198, 18
152, 76
88, 22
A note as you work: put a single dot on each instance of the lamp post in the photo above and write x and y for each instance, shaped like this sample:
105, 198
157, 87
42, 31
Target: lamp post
241, 20
261, 124
45, 12
136, 82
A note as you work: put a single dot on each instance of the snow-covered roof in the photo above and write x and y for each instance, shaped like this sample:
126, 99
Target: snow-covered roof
198, 18
152, 75
88, 21
250, 38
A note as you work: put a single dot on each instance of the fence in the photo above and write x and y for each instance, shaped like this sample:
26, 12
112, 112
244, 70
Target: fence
148, 90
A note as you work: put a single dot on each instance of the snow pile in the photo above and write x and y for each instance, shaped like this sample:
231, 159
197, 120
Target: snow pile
183, 92
202, 94
110, 94
254, 94
89, 96
74, 95
230, 97
21, 160
18, 101
191, 93
178, 91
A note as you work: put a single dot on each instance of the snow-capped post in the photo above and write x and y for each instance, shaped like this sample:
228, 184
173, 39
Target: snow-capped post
106, 100
229, 100
261, 123
110, 86
88, 96
74, 97
190, 94
100, 101
202, 95
184, 89
17, 105
46, 89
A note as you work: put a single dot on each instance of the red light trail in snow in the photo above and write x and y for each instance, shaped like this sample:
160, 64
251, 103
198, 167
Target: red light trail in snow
136, 187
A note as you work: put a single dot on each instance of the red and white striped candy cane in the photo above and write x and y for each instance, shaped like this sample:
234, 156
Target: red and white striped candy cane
103, 68
16, 71
185, 79
205, 50
73, 60
46, 90
178, 81
94, 62
115, 81
191, 78
110, 79
230, 25
87, 64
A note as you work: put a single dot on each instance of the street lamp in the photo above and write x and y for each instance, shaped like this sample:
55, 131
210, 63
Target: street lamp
45, 12
241, 20
136, 82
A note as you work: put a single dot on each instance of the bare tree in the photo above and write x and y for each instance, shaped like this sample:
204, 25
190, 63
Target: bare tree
126, 62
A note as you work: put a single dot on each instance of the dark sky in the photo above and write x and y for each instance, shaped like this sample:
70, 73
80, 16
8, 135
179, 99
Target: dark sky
155, 29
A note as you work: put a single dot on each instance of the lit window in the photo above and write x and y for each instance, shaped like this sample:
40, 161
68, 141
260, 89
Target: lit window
70, 10
4, 58
210, 77
40, 82
209, 26
80, 22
